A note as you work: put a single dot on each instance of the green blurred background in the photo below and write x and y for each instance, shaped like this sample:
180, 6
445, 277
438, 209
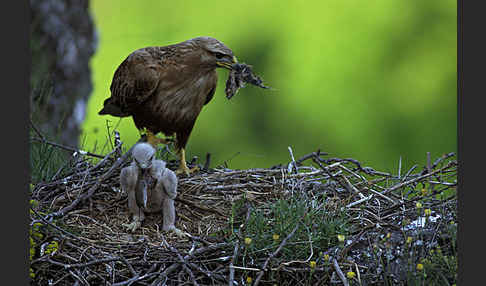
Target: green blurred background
372, 80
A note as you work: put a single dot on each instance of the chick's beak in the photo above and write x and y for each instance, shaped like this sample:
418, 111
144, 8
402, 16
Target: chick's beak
227, 63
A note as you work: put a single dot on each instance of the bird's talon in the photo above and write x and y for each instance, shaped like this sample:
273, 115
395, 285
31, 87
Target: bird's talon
186, 170
132, 226
177, 231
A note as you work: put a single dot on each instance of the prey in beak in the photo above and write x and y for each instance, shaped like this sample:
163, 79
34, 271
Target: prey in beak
147, 182
227, 62
241, 74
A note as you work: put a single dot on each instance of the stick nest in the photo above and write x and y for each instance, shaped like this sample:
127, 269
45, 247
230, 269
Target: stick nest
84, 210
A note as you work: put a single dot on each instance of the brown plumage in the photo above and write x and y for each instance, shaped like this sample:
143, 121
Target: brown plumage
165, 88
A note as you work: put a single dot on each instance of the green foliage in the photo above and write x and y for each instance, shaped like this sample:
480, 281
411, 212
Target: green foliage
439, 263
45, 161
35, 236
413, 255
425, 261
41, 240
318, 226
435, 266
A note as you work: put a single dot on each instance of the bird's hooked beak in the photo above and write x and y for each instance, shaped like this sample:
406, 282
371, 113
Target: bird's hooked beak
227, 63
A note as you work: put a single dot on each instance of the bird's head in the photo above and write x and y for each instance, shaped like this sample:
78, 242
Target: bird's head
143, 155
215, 52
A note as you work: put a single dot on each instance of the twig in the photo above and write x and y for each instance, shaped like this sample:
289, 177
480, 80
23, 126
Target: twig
136, 278
260, 274
36, 130
417, 179
408, 173
231, 269
188, 202
67, 148
182, 260
163, 275
340, 272
292, 164
80, 265
358, 273
208, 162
53, 225
309, 156
130, 267
359, 201
399, 167
381, 195
107, 156
91, 191
351, 187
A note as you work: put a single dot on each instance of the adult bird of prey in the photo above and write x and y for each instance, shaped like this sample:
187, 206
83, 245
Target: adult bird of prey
165, 88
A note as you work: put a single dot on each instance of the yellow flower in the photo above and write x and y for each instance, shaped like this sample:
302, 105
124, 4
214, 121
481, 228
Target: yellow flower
427, 212
326, 257
276, 237
420, 267
249, 280
409, 239
247, 241
418, 205
350, 274
388, 235
340, 237
424, 191
312, 264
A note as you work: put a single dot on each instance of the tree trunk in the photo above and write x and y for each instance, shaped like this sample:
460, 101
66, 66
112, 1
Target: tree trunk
63, 39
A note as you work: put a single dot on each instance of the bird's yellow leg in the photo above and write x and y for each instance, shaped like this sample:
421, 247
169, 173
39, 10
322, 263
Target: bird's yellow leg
183, 165
152, 139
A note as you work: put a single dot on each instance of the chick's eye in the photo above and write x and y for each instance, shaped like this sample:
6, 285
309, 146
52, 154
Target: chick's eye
219, 55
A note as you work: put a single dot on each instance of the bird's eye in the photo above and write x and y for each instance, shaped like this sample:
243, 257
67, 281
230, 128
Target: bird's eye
219, 55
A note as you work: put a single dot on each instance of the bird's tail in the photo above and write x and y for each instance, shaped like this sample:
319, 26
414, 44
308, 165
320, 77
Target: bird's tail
111, 108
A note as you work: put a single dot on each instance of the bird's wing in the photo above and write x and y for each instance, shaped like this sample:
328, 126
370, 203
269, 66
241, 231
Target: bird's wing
166, 179
135, 80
